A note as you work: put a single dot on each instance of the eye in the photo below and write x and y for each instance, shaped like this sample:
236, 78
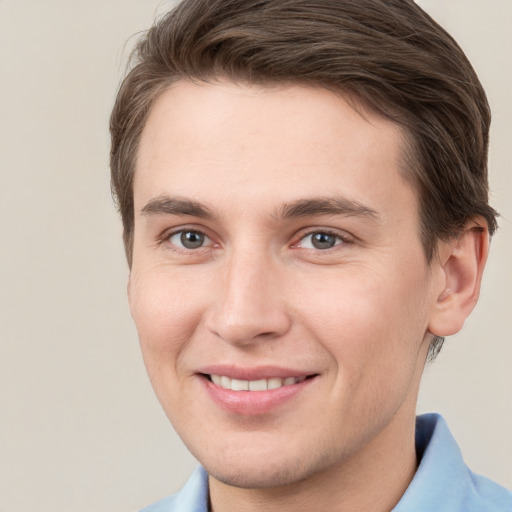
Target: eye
189, 239
321, 240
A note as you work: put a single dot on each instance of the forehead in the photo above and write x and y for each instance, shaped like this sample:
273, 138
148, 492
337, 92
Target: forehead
274, 144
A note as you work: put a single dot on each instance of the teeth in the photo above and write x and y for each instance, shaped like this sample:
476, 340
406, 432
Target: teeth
258, 385
254, 385
239, 385
274, 383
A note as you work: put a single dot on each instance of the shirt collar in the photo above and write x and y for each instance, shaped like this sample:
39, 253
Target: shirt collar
443, 482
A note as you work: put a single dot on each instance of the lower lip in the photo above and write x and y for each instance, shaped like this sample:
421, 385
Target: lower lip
249, 403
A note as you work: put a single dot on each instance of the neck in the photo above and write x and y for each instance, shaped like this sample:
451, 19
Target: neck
373, 480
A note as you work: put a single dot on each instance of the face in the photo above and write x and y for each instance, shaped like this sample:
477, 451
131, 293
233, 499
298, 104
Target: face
279, 285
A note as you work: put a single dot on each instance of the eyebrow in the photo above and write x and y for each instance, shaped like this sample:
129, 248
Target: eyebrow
165, 205
326, 206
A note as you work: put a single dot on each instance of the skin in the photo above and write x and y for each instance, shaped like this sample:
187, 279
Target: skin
357, 316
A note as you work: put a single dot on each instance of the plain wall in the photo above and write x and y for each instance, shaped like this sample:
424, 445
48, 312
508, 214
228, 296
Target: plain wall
80, 429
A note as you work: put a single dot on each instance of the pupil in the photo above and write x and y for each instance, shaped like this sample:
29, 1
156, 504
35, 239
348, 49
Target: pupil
323, 240
192, 239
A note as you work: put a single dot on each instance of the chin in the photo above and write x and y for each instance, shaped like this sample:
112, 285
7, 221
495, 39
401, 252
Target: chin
258, 477
266, 469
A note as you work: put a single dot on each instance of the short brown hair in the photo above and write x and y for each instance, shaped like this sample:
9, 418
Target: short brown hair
389, 54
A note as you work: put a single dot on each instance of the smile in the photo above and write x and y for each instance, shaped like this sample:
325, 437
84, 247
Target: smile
254, 385
257, 395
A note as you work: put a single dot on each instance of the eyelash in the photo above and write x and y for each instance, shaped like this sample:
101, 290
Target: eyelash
168, 235
340, 240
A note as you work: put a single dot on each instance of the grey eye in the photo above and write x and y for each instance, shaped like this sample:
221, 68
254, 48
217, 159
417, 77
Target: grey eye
320, 240
188, 239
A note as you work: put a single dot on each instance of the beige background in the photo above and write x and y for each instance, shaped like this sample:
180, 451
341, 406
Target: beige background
80, 429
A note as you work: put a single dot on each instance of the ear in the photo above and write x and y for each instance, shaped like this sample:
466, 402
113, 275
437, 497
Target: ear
462, 261
129, 291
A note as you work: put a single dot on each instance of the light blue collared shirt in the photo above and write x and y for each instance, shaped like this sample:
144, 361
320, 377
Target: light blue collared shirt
443, 482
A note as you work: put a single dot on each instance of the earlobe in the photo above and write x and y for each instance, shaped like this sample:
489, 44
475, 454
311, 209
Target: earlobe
462, 260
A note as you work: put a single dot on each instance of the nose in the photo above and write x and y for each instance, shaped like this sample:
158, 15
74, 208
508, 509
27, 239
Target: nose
250, 306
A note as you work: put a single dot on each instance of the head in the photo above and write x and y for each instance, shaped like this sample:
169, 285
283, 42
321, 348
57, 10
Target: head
389, 56
407, 88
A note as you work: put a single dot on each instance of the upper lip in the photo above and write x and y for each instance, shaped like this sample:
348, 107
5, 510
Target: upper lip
252, 373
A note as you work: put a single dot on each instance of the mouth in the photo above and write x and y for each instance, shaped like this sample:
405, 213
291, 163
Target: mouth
266, 384
256, 390
257, 396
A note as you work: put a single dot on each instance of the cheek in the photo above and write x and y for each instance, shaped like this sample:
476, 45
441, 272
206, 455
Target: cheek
372, 324
165, 316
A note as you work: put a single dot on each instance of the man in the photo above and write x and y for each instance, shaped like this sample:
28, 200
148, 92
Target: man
303, 187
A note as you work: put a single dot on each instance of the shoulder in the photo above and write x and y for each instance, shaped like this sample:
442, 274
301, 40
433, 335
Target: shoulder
169, 504
193, 497
487, 495
443, 482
